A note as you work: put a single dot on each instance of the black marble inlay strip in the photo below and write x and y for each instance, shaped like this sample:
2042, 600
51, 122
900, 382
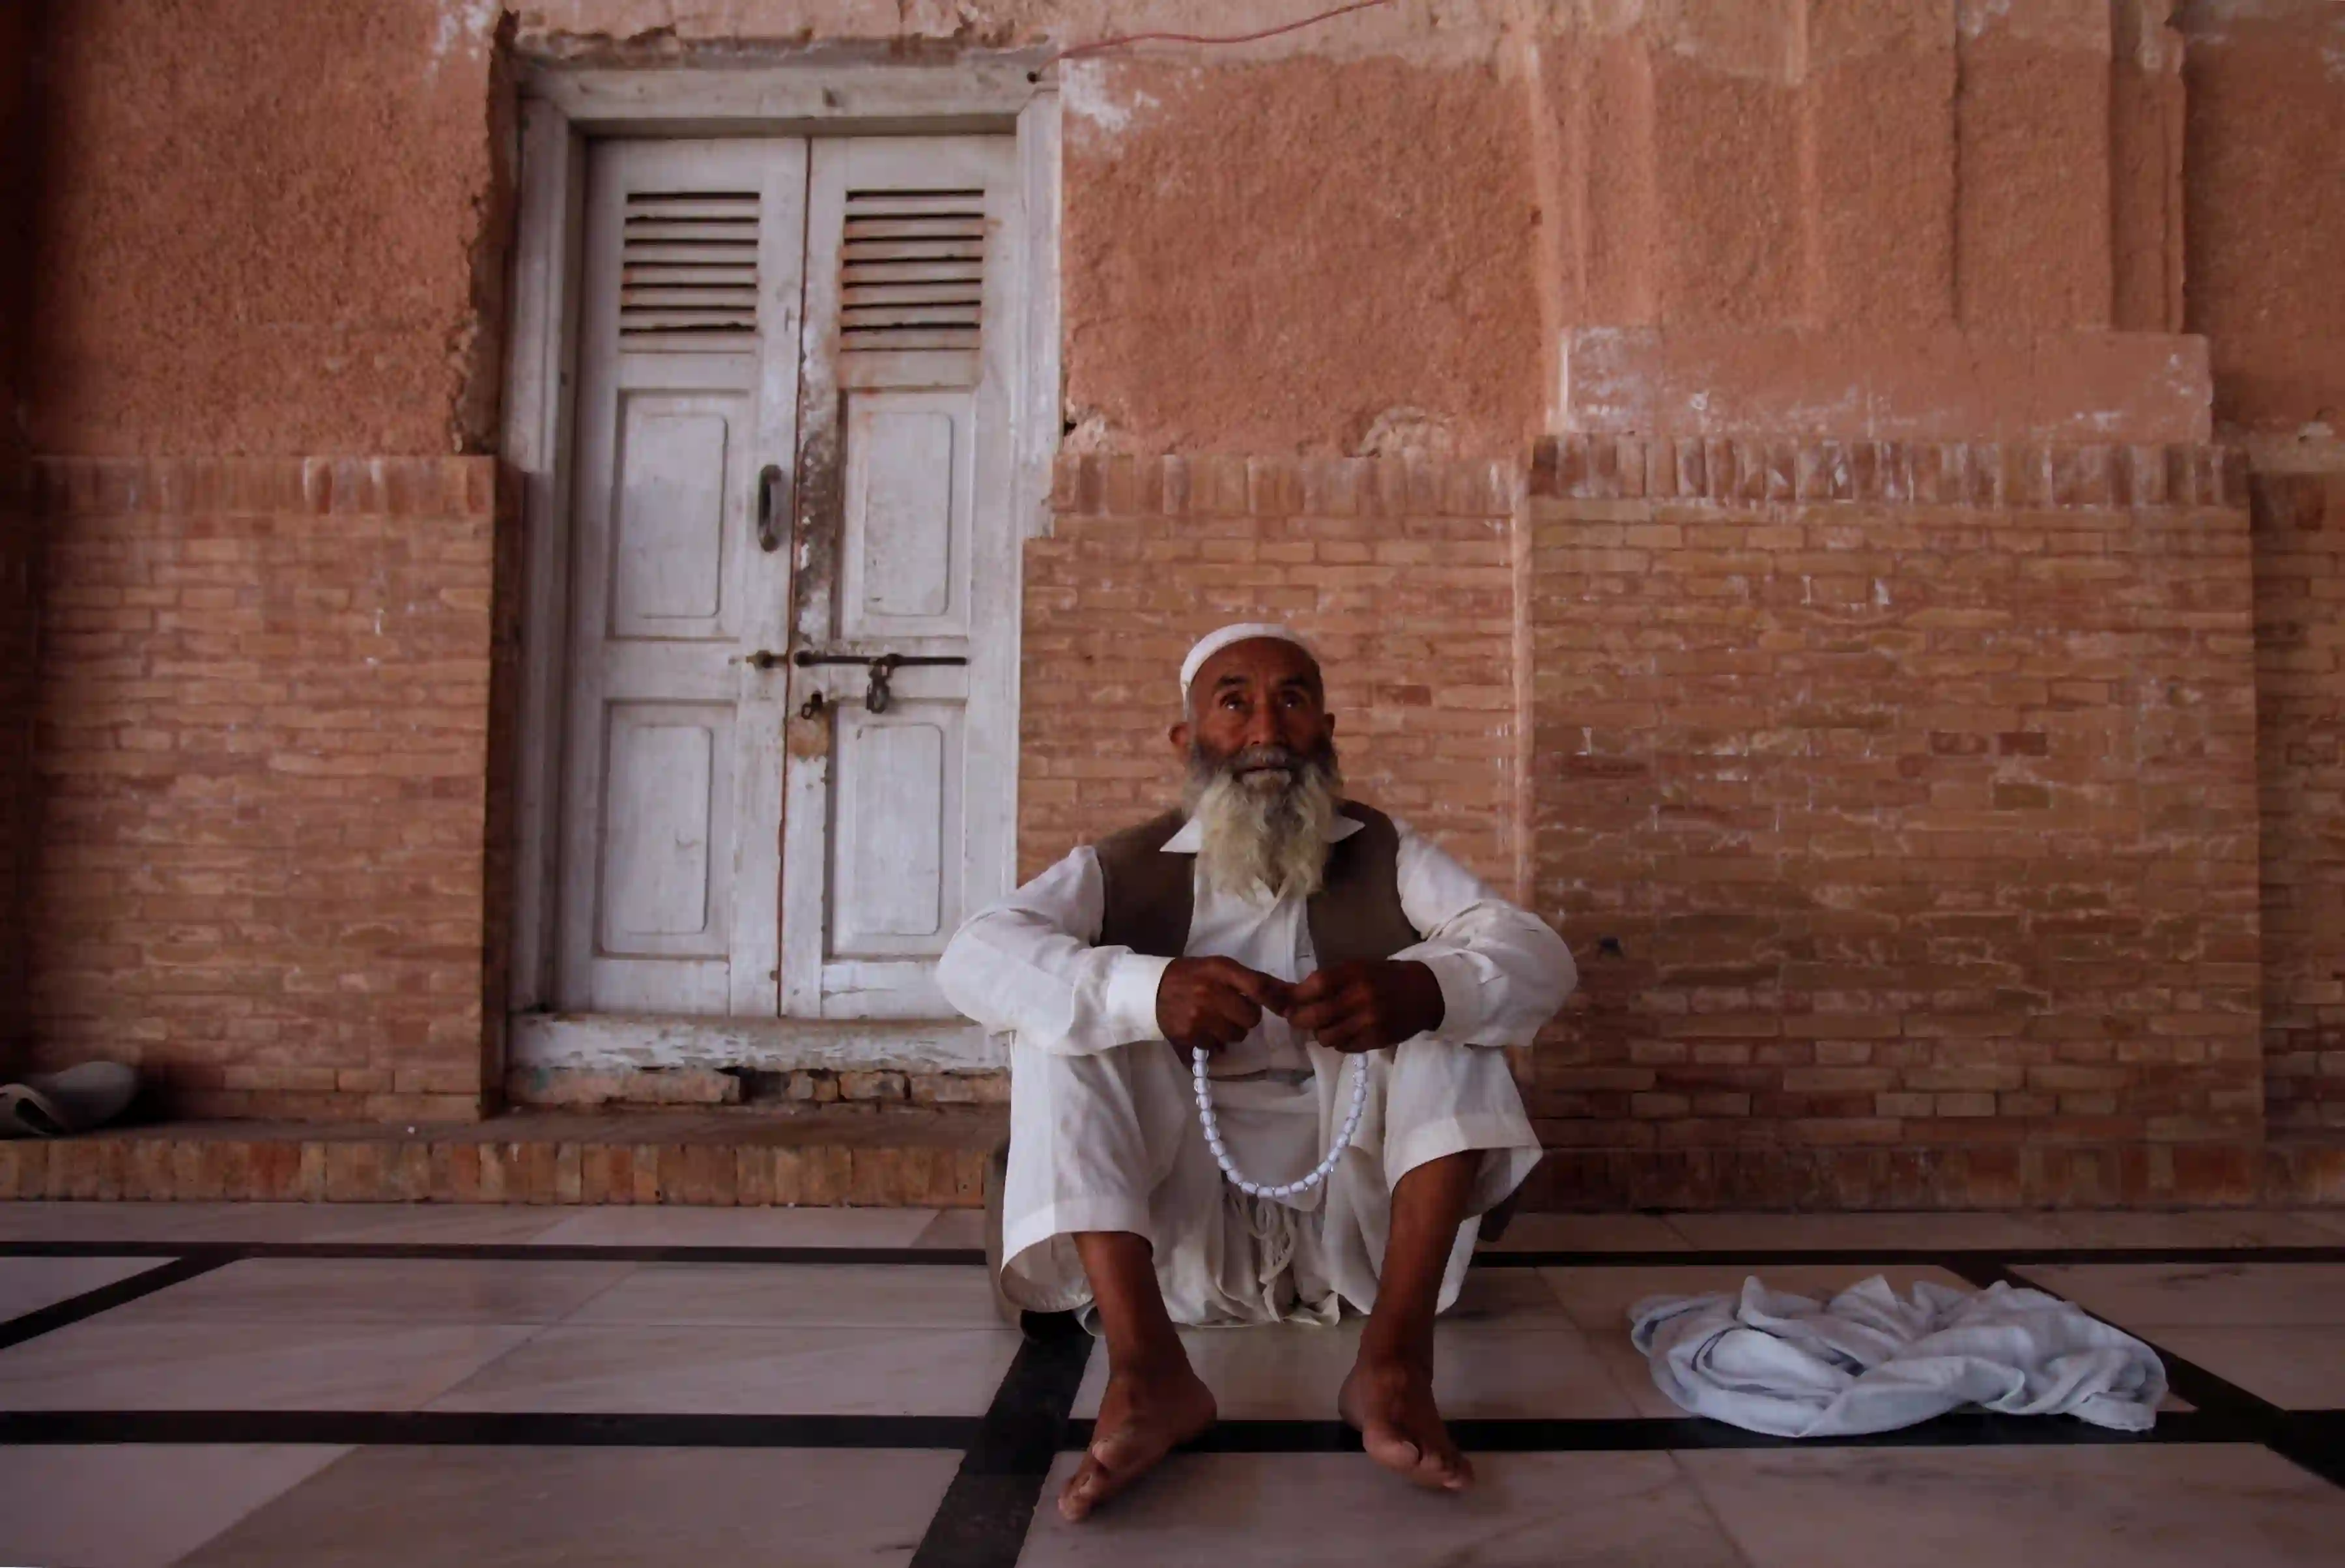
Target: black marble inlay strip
2313, 1441
982, 1520
105, 1298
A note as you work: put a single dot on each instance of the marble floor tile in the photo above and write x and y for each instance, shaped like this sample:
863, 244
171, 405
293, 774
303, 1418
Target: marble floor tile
1598, 1300
102, 1364
1791, 1232
2232, 1295
845, 1295
597, 1507
378, 1290
65, 1504
166, 1221
2295, 1367
2147, 1506
1590, 1233
443, 1224
1340, 1511
1517, 1369
29, 1284
2196, 1228
669, 1369
2330, 1220
662, 1226
954, 1227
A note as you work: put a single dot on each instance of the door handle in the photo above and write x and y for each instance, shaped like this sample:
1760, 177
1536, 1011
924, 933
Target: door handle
773, 505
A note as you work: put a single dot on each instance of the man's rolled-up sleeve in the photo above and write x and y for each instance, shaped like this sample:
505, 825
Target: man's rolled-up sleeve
1027, 966
1503, 971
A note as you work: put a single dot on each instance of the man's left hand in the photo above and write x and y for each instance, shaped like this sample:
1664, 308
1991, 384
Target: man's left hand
1367, 1006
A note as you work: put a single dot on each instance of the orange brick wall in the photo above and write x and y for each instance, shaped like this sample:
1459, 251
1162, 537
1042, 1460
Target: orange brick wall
263, 723
18, 805
1402, 573
2300, 551
1916, 788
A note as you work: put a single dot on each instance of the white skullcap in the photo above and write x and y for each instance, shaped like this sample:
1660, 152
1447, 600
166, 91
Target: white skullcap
1212, 643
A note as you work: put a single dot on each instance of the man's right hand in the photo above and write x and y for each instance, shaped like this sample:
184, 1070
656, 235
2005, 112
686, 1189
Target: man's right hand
1215, 1001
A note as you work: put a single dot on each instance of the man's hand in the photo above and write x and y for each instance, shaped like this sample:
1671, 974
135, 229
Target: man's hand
1215, 1001
1367, 1006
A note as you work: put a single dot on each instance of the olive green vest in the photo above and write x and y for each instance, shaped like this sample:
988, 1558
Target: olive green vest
1355, 914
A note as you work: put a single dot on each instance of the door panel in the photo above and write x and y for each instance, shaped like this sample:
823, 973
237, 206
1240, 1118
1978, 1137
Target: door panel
667, 807
668, 528
910, 470
896, 860
897, 823
689, 336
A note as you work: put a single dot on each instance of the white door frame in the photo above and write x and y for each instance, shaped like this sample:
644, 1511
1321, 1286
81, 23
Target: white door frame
560, 108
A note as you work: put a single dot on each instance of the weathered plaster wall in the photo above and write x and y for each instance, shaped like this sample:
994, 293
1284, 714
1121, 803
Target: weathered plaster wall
1300, 255
279, 234
2266, 199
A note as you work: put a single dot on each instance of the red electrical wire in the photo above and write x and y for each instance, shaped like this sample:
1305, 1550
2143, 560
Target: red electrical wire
1100, 44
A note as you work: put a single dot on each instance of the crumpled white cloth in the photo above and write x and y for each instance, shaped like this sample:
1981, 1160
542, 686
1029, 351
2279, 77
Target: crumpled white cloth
1865, 1362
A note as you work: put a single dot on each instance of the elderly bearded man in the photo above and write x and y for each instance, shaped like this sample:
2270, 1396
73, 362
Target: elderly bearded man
1290, 933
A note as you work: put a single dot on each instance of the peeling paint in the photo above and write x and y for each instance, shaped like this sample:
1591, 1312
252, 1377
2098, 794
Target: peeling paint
468, 23
1084, 93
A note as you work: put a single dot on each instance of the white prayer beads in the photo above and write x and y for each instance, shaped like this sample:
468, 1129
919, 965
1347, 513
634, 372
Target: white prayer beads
1325, 1167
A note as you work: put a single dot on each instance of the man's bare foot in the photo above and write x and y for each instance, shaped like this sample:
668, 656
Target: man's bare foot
1388, 1400
1142, 1417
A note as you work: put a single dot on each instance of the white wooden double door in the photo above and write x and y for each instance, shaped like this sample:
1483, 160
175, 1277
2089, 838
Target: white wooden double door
794, 452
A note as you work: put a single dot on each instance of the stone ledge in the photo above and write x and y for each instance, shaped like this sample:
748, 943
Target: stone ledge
1887, 384
2300, 1172
1762, 468
866, 1156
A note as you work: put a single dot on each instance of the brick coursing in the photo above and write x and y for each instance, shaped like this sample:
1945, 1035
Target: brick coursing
19, 803
2300, 561
262, 745
1914, 829
1402, 574
900, 1158
1915, 783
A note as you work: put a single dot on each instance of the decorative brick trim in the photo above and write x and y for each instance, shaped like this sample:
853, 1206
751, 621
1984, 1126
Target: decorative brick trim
903, 1159
1226, 486
254, 486
582, 1087
1988, 474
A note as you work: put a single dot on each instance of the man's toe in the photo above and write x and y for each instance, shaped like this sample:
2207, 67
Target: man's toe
1388, 1447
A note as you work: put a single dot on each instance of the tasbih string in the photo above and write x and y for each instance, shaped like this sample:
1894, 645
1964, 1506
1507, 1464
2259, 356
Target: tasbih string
1211, 1121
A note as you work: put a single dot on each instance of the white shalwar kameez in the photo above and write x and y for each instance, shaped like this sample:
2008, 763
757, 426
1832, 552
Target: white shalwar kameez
1103, 1121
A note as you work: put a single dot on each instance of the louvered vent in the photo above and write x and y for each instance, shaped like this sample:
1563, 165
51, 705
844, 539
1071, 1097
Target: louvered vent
689, 266
913, 275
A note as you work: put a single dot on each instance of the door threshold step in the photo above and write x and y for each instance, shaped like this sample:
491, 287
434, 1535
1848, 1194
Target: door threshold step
886, 1156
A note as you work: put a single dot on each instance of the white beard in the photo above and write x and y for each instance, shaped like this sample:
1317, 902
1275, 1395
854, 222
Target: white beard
1271, 833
